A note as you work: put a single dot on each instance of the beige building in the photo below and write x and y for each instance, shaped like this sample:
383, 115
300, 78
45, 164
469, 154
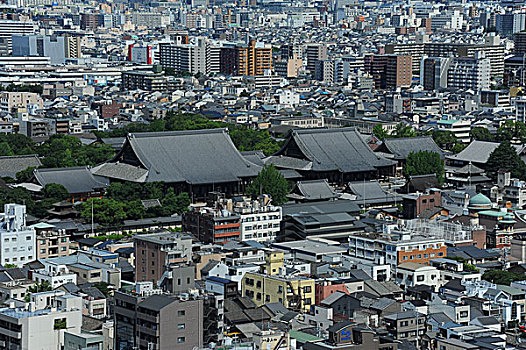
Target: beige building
10, 101
50, 244
72, 47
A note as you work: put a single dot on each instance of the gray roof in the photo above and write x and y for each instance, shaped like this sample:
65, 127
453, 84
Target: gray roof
401, 147
195, 157
335, 150
121, 171
10, 165
75, 180
478, 152
156, 302
115, 142
315, 190
255, 157
323, 207
371, 191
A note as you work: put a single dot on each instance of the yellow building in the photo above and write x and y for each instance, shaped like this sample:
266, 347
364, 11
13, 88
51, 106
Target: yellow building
254, 59
294, 292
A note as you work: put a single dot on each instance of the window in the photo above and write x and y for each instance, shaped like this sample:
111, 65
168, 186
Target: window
181, 339
181, 326
307, 301
420, 278
28, 238
181, 313
307, 289
280, 289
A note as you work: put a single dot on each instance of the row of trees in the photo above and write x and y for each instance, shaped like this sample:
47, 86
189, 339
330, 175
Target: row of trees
509, 131
244, 139
58, 151
123, 202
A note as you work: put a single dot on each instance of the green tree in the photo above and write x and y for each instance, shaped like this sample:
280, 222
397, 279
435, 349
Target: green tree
25, 175
106, 212
380, 132
512, 131
5, 149
403, 130
176, 203
55, 192
458, 147
270, 181
481, 134
505, 157
423, 163
502, 277
445, 139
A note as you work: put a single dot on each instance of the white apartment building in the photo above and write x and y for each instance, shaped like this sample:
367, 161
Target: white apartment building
260, 221
460, 128
469, 73
412, 274
55, 275
41, 323
17, 241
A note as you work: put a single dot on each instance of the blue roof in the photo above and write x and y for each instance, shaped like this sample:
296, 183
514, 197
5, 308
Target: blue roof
218, 279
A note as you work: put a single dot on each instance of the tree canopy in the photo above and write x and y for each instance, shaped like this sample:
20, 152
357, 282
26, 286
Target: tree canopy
512, 131
244, 139
423, 163
502, 277
505, 157
125, 200
380, 132
481, 134
270, 181
447, 140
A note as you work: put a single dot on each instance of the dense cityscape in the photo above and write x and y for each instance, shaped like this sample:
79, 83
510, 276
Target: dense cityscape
262, 175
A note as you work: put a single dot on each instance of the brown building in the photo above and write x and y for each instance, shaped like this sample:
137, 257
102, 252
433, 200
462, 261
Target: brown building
167, 322
390, 71
228, 60
154, 252
89, 21
210, 226
415, 204
110, 110
253, 59
50, 244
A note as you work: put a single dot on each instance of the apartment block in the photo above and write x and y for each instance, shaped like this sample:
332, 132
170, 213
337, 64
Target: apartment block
167, 322
254, 59
295, 293
17, 241
154, 252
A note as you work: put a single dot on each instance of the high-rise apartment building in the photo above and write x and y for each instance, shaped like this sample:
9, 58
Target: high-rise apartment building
314, 53
17, 241
520, 43
434, 72
167, 322
154, 252
469, 73
389, 71
254, 59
